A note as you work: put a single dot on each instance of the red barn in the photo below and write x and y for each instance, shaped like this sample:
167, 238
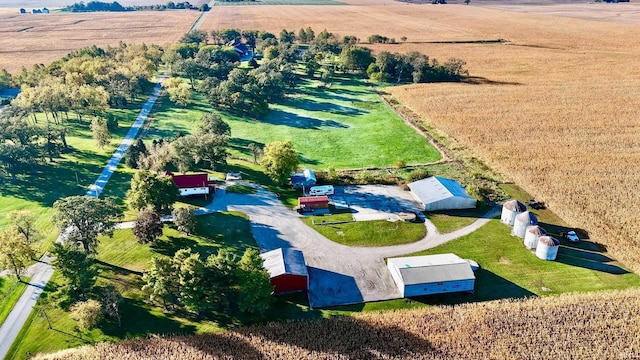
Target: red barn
287, 270
194, 184
314, 202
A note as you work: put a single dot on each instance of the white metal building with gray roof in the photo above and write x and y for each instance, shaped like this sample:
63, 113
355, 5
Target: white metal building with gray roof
431, 274
437, 193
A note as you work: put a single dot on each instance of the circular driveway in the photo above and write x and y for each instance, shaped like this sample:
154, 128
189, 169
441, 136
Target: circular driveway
338, 274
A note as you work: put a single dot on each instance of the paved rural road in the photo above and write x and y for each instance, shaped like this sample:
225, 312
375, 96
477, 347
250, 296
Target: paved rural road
338, 274
42, 271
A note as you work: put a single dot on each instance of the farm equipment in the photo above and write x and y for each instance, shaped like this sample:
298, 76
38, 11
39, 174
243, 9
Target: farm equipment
537, 205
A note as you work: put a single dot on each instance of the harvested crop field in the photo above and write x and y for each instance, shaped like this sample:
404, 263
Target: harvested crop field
554, 108
30, 39
589, 326
554, 111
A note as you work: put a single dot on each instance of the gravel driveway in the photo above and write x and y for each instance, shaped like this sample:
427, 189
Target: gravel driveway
338, 274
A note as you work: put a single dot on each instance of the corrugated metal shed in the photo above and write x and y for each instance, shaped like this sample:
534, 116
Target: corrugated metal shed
432, 274
437, 193
284, 261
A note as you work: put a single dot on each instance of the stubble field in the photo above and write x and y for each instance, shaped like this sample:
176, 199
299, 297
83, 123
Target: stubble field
30, 39
554, 108
593, 326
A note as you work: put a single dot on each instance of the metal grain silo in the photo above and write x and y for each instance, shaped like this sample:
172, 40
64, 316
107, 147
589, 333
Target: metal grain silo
547, 248
521, 222
509, 211
532, 234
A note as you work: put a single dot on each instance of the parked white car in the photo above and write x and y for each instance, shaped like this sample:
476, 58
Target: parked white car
572, 236
233, 176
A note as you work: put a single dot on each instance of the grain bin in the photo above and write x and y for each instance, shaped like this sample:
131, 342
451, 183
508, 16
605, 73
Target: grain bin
509, 211
521, 222
547, 248
531, 236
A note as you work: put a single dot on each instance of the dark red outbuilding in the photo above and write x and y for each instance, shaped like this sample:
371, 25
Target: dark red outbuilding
287, 270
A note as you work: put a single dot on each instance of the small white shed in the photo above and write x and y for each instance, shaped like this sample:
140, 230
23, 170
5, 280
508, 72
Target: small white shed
431, 274
437, 193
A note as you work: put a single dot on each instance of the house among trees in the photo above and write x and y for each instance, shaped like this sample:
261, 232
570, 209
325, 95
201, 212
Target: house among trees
242, 49
193, 184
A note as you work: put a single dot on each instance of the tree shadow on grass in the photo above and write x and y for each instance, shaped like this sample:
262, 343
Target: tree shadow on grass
137, 320
47, 183
118, 270
309, 104
173, 244
488, 286
285, 118
346, 338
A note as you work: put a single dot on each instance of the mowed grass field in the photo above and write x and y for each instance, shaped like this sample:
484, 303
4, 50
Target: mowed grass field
553, 108
343, 127
28, 39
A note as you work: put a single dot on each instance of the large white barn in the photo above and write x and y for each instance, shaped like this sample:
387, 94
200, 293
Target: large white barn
431, 274
437, 193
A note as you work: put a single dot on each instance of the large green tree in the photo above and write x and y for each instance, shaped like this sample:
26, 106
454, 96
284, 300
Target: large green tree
356, 58
185, 219
24, 221
254, 290
151, 190
81, 219
15, 254
280, 160
148, 227
161, 282
77, 268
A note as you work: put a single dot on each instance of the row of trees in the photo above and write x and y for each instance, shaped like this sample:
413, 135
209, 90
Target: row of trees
215, 68
206, 147
86, 83
221, 283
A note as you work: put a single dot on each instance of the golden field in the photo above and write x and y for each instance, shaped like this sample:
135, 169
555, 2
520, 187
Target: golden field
30, 39
586, 326
555, 108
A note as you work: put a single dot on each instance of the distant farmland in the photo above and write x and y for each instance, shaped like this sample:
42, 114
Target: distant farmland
554, 108
30, 39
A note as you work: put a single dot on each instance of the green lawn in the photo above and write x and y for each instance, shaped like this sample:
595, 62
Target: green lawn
345, 126
510, 270
10, 292
71, 174
450, 220
366, 233
121, 260
241, 189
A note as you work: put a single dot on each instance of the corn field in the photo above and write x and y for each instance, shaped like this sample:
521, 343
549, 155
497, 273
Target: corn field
584, 326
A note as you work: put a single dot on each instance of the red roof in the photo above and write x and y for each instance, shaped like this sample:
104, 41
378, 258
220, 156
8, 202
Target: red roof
192, 180
308, 200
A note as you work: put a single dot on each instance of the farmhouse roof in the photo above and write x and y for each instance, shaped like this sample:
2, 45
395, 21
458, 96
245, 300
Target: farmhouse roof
283, 261
192, 180
432, 268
